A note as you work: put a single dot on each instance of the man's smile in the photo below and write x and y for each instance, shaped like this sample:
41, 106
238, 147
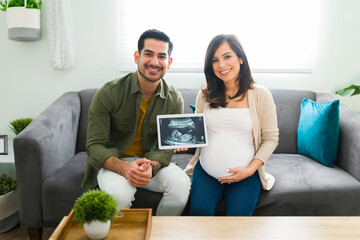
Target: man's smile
153, 69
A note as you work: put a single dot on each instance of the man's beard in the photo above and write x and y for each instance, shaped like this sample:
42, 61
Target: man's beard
150, 80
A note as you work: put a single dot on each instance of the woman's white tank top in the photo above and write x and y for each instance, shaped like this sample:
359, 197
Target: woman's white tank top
230, 141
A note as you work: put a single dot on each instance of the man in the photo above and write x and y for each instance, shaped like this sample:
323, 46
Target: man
122, 133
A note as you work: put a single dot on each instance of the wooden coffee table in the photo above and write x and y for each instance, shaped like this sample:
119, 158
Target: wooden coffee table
255, 228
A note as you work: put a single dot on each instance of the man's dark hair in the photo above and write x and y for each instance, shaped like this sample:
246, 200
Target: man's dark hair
155, 34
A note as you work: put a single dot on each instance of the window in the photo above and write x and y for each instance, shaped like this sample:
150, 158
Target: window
277, 35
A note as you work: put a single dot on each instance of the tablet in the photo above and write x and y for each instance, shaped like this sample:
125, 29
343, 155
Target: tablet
181, 131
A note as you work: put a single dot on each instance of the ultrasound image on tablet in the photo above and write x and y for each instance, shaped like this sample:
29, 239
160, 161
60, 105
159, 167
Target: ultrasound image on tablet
181, 131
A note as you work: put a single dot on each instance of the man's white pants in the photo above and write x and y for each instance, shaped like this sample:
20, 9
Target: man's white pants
172, 181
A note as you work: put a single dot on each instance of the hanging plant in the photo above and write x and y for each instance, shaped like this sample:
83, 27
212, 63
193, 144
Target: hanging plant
23, 19
20, 3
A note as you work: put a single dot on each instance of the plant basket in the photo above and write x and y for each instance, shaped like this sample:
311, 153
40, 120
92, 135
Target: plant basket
23, 23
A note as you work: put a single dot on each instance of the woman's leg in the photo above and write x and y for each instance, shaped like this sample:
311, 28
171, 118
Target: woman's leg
206, 193
241, 197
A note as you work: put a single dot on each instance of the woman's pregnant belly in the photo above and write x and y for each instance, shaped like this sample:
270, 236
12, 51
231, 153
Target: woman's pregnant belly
225, 152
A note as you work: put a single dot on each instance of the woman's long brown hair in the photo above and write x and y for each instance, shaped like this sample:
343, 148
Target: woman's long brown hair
215, 89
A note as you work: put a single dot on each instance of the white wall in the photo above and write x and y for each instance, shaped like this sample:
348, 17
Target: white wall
28, 84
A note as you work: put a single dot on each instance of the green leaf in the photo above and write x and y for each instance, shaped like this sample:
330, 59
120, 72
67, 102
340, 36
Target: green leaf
20, 3
3, 6
345, 91
19, 124
7, 184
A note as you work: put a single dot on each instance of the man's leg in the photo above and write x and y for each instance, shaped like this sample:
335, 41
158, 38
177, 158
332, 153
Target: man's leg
174, 183
117, 186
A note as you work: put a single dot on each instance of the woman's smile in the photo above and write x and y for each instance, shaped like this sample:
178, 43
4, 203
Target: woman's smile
226, 64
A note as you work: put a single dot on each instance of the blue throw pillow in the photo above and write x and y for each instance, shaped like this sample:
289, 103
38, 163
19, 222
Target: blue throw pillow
193, 107
318, 131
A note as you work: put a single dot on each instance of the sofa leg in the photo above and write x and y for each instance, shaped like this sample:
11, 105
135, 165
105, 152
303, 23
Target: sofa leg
35, 233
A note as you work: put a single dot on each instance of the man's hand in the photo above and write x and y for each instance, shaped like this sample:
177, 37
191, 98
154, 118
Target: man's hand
139, 173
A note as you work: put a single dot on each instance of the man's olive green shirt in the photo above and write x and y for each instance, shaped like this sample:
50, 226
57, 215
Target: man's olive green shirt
113, 117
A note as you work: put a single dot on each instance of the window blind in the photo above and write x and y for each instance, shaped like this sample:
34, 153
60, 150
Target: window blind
277, 35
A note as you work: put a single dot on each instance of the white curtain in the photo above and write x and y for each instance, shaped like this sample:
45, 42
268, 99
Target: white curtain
59, 23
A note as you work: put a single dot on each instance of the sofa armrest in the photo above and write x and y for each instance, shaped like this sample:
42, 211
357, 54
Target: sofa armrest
349, 144
43, 148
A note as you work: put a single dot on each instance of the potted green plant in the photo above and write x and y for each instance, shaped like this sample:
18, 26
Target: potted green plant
355, 89
23, 19
19, 124
95, 209
345, 91
9, 206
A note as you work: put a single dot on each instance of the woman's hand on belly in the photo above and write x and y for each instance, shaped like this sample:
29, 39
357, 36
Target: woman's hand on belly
239, 174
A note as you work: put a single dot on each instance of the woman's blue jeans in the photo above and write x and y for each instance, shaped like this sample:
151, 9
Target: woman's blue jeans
206, 192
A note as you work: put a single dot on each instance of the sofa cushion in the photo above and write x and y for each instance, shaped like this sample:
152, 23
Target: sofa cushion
304, 187
189, 96
318, 131
61, 189
288, 104
86, 97
182, 160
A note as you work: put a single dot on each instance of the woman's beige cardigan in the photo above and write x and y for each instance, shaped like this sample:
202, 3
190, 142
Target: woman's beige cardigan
265, 130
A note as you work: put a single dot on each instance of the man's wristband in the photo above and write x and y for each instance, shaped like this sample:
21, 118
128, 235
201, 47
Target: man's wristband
154, 169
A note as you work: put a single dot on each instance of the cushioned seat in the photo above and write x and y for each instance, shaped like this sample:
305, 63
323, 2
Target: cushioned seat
305, 187
68, 178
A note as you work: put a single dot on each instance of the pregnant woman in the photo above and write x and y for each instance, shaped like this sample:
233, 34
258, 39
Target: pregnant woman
242, 134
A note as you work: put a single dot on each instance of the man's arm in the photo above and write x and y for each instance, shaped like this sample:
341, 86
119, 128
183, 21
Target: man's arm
117, 165
98, 130
157, 164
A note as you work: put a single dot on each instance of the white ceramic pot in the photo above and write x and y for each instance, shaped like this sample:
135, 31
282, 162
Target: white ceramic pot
9, 211
96, 229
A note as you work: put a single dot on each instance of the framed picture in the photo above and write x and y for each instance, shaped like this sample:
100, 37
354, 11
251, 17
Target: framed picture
3, 145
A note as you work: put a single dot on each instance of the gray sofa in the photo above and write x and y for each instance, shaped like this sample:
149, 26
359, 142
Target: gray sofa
50, 163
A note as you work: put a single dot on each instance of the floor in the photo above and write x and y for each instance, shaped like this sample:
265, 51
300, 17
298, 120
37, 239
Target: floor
20, 233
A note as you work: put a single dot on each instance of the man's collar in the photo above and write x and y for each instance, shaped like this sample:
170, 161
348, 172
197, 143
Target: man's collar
134, 83
161, 89
135, 86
